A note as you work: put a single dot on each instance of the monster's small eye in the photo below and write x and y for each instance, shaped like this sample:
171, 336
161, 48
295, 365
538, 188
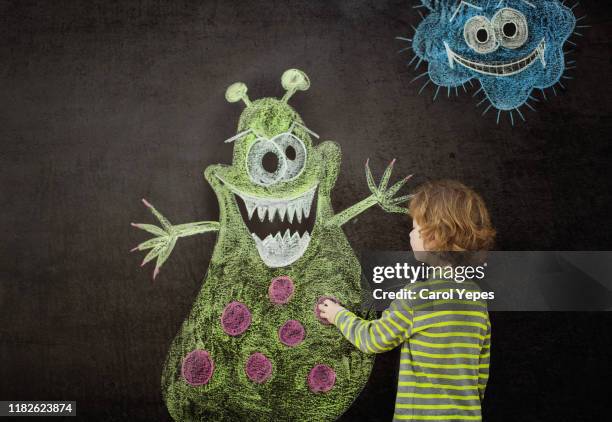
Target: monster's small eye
266, 163
295, 153
479, 35
510, 27
290, 153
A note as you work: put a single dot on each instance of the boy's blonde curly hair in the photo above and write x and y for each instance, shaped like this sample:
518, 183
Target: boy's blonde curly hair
453, 218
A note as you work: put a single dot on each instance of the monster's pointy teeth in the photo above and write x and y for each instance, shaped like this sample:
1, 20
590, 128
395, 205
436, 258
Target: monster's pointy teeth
280, 227
281, 250
279, 209
498, 68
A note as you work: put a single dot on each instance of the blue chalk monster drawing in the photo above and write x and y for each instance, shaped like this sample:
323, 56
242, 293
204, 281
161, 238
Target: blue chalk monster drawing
510, 46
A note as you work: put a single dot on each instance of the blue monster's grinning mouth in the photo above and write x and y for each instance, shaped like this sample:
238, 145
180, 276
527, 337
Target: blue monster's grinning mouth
498, 68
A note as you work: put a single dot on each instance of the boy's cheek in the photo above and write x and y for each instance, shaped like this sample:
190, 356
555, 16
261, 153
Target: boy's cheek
415, 244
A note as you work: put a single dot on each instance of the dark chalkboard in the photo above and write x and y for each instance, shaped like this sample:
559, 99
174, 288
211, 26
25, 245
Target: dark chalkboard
105, 102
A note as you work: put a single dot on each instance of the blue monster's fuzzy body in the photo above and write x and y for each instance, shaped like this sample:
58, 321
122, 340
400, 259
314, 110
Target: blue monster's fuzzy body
508, 72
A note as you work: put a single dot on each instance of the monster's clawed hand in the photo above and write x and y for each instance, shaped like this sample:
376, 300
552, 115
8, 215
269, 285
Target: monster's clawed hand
162, 245
384, 196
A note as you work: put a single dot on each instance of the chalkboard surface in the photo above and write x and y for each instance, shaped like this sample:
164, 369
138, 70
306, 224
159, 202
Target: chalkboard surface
103, 103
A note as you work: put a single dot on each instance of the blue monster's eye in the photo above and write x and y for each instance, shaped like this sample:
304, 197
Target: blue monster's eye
511, 28
479, 35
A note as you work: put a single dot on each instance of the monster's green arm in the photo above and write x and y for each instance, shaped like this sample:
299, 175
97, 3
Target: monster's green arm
380, 195
167, 235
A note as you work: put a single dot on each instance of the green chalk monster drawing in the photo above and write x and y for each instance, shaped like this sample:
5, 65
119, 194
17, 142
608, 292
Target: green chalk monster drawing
253, 346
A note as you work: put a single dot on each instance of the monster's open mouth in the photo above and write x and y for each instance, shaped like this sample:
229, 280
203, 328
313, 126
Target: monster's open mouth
280, 227
498, 68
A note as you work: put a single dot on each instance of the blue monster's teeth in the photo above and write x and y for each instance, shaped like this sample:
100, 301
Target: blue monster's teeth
498, 68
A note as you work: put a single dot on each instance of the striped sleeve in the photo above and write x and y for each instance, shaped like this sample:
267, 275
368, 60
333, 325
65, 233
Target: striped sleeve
380, 335
483, 363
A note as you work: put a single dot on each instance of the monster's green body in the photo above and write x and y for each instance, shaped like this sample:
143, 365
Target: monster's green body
317, 258
328, 268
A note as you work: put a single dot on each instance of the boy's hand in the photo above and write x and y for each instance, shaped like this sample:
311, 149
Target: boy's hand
329, 309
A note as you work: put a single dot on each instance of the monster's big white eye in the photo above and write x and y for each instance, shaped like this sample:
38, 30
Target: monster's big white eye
279, 159
511, 28
479, 35
295, 154
266, 163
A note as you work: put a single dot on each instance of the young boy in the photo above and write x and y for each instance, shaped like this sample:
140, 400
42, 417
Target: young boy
445, 353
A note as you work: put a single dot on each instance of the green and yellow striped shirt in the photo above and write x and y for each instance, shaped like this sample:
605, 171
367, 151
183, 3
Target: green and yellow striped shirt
445, 353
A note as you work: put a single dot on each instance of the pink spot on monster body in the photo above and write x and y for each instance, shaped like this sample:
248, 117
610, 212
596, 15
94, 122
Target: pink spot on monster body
321, 379
281, 289
318, 311
291, 333
235, 318
258, 368
197, 368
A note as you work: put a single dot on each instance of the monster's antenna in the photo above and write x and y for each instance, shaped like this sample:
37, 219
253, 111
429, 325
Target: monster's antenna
236, 92
294, 80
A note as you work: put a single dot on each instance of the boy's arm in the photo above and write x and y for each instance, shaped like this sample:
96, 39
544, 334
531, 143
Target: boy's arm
380, 335
483, 367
